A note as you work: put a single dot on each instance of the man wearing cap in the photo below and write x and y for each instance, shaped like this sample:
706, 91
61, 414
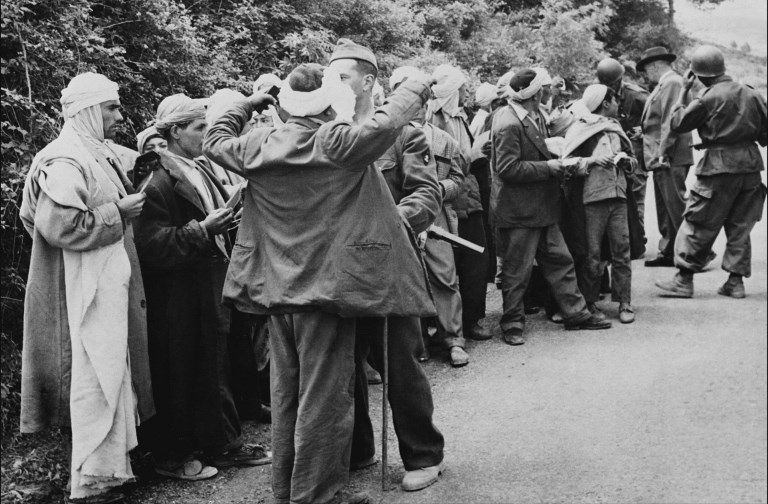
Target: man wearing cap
667, 153
525, 208
84, 363
409, 171
184, 248
728, 193
632, 99
445, 112
321, 245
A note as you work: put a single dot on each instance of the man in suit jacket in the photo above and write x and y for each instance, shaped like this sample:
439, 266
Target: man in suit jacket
667, 153
525, 209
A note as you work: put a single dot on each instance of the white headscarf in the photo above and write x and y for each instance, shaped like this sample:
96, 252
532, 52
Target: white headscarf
405, 72
446, 89
86, 90
485, 94
502, 85
144, 136
179, 108
527, 92
546, 78
593, 96
265, 82
332, 93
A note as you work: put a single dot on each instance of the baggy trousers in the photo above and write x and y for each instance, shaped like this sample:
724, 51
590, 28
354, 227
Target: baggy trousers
472, 268
441, 271
519, 247
639, 188
669, 188
731, 201
312, 377
608, 217
410, 396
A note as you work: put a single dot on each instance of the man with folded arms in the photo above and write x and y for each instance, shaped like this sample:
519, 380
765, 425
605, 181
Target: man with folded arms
525, 208
85, 336
320, 245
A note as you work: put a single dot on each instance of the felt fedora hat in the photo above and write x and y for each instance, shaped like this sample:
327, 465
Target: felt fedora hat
654, 54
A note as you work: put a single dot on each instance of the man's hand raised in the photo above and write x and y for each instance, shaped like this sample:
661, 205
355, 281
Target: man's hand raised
260, 101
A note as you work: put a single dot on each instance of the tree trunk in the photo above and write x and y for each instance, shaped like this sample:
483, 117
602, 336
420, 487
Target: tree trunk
671, 15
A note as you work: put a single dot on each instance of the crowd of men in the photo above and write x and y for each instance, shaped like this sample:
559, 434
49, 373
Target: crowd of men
299, 229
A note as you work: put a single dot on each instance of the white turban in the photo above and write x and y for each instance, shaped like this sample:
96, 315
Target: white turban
86, 90
179, 108
144, 136
485, 94
332, 93
405, 72
502, 85
593, 96
446, 89
219, 102
265, 82
546, 78
530, 90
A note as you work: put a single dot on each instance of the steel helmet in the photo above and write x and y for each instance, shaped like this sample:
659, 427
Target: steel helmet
609, 71
707, 61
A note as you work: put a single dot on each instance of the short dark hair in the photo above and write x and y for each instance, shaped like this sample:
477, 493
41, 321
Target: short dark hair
306, 77
366, 68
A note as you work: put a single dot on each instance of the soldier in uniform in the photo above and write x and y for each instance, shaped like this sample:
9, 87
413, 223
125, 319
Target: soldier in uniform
730, 117
632, 100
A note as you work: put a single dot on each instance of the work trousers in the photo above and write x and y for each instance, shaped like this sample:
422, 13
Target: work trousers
669, 187
519, 247
410, 396
639, 188
731, 201
472, 269
608, 218
312, 374
441, 270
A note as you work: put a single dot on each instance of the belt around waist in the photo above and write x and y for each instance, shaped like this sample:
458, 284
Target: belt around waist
722, 146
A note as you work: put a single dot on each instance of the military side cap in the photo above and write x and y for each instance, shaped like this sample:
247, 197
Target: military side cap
655, 54
347, 49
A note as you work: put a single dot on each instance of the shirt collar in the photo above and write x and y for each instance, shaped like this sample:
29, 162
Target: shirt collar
666, 75
522, 112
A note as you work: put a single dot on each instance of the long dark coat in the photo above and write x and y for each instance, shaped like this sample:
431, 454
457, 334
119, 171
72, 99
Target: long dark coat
188, 326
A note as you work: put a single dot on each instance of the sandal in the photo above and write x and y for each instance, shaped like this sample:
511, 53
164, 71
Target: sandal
192, 470
244, 455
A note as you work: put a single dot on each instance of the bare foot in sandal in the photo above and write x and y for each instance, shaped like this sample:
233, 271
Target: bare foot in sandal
192, 470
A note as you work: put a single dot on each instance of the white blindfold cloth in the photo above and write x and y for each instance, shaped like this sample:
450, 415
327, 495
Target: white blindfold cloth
332, 93
446, 89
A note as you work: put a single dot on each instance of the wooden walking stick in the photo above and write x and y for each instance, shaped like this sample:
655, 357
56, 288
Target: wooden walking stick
384, 404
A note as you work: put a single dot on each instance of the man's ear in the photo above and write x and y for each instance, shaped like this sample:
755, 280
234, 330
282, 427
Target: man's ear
174, 131
368, 82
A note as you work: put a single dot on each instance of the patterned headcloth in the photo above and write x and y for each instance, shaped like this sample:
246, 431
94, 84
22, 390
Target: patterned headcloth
86, 90
179, 108
485, 94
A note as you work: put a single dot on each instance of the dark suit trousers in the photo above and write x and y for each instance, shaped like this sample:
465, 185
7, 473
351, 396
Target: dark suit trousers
410, 396
518, 248
472, 268
312, 376
669, 187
